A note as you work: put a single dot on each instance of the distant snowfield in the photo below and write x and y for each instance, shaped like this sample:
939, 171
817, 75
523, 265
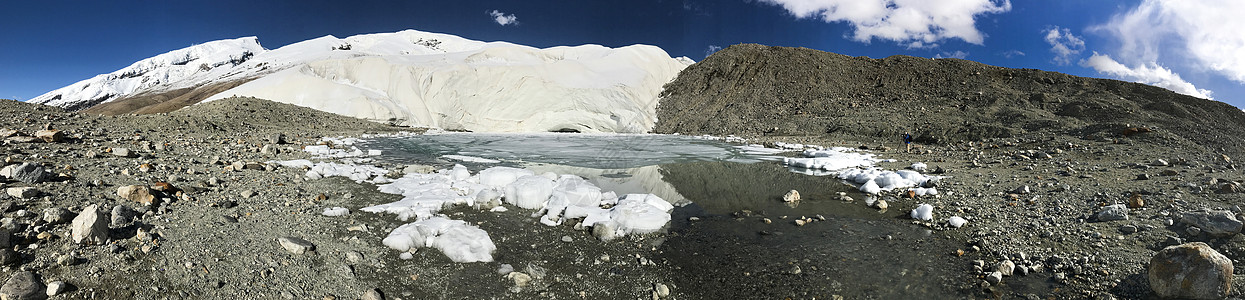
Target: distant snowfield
415, 78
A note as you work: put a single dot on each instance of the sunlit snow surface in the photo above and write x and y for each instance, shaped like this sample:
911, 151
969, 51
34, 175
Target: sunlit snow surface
597, 151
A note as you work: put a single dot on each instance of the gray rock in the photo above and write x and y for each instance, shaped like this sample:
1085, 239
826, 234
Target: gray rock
994, 277
24, 192
1006, 267
23, 285
1192, 271
1021, 190
269, 149
1193, 231
90, 226
1159, 163
57, 287
373, 294
247, 194
1128, 229
296, 245
604, 232
1219, 223
277, 138
122, 215
9, 257
123, 152
354, 257
1112, 213
26, 172
57, 215
661, 290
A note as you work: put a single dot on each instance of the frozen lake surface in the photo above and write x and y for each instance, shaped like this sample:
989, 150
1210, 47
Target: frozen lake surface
597, 151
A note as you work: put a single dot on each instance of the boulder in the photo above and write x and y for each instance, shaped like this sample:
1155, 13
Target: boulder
23, 285
90, 226
136, 193
24, 192
50, 135
1112, 213
122, 215
1190, 271
57, 215
792, 196
26, 172
123, 152
296, 245
1217, 223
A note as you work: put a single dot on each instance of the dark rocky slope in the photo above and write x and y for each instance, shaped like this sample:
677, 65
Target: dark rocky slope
762, 91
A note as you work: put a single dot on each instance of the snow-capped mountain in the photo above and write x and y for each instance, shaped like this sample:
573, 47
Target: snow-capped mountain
414, 78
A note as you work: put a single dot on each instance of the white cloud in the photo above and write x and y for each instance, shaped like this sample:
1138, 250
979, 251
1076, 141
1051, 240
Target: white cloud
957, 54
913, 23
711, 49
1012, 53
1206, 33
1064, 44
503, 19
1148, 73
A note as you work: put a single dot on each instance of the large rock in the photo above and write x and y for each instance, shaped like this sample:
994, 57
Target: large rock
136, 193
1217, 223
50, 135
90, 226
122, 215
23, 285
1112, 213
26, 172
296, 245
1190, 271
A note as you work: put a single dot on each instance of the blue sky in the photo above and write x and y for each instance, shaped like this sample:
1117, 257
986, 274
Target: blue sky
1188, 46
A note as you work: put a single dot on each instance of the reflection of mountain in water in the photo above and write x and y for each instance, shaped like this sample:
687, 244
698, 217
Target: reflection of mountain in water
723, 188
641, 180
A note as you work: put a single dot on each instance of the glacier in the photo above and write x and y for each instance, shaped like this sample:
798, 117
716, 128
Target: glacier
414, 78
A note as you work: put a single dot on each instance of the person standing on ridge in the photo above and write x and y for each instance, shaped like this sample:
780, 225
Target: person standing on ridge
907, 141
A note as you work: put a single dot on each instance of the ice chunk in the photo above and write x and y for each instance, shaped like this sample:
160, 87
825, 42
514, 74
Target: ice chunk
458, 240
832, 159
956, 221
470, 159
529, 192
870, 187
297, 163
636, 214
919, 167
578, 191
358, 173
336, 211
923, 212
459, 172
924, 191
501, 176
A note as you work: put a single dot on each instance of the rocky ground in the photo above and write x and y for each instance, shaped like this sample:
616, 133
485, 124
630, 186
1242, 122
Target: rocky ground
183, 205
1038, 160
1041, 202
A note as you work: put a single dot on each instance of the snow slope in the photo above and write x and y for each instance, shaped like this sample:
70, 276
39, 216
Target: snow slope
415, 78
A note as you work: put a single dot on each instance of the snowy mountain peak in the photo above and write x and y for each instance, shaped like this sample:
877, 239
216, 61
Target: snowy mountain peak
410, 77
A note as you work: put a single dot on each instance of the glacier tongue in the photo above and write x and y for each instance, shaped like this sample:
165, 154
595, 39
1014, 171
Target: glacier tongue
414, 78
502, 88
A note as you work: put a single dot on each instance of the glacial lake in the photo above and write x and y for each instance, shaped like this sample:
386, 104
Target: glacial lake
728, 250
